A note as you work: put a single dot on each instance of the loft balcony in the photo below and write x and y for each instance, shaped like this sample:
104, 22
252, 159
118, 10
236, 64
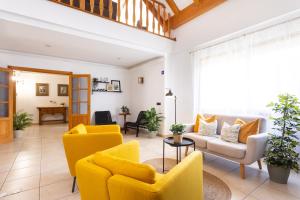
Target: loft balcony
146, 15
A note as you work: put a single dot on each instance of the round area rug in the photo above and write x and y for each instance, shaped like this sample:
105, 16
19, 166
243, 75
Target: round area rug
214, 188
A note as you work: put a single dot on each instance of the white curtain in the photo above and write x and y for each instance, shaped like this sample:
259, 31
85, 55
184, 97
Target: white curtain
243, 75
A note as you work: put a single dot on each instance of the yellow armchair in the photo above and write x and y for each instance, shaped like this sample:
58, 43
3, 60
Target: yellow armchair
120, 182
82, 141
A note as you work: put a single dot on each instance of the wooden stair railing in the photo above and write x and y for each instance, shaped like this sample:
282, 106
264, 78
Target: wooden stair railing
147, 15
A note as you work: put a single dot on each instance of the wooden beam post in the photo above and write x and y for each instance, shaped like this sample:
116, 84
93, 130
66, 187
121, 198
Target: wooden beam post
173, 6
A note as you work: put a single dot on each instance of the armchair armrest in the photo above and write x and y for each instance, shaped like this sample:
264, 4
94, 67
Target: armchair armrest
171, 186
103, 128
189, 128
256, 146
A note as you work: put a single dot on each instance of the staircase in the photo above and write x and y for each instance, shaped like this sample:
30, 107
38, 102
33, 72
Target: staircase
145, 15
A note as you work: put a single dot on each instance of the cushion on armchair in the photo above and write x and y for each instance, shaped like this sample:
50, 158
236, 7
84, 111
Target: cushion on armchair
115, 165
79, 129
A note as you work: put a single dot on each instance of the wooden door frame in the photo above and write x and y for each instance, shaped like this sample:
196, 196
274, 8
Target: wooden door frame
46, 71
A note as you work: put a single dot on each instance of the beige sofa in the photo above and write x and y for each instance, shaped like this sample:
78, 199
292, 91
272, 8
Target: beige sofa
244, 154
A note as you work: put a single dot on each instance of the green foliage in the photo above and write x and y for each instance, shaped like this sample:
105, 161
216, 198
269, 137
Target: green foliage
177, 129
281, 145
125, 109
153, 119
22, 120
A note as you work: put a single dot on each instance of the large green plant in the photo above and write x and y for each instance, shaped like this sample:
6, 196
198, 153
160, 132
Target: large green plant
281, 145
153, 119
22, 120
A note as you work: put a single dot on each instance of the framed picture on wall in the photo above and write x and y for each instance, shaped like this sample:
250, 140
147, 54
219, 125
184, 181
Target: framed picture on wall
62, 90
42, 89
116, 84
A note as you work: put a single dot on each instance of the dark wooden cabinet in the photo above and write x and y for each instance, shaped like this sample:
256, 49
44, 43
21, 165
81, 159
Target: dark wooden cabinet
52, 111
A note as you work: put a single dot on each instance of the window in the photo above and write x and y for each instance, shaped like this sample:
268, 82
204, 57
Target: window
243, 75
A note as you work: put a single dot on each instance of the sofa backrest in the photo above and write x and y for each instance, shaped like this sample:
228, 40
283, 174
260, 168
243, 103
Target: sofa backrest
231, 119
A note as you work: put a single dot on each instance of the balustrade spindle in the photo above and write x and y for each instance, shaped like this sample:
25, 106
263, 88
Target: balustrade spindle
164, 22
126, 11
153, 16
92, 4
119, 10
141, 13
133, 17
101, 7
169, 25
147, 15
110, 9
158, 18
71, 2
82, 4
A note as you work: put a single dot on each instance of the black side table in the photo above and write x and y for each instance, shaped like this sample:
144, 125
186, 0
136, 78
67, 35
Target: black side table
170, 141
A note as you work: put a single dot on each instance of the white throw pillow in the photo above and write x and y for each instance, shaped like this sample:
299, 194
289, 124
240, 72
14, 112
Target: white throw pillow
230, 133
208, 129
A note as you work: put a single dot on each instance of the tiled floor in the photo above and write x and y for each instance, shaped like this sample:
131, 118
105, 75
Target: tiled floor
34, 168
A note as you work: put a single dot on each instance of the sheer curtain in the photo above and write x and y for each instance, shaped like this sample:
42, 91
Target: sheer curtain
243, 75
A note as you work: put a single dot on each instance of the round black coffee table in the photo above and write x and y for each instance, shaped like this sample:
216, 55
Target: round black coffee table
170, 141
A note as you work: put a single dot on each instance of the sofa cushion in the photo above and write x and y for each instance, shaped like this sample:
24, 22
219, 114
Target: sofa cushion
226, 148
247, 129
200, 140
208, 120
115, 165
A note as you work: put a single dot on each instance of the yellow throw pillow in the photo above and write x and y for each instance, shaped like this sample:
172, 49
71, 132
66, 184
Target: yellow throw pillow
247, 129
79, 129
208, 120
115, 165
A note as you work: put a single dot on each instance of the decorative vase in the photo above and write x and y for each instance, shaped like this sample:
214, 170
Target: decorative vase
152, 134
18, 133
177, 138
279, 174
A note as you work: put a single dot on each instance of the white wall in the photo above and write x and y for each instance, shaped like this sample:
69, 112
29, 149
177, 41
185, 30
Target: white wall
228, 18
144, 96
27, 100
99, 101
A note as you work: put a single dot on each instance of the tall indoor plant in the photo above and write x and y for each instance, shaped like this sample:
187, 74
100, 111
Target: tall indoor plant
20, 122
153, 120
281, 156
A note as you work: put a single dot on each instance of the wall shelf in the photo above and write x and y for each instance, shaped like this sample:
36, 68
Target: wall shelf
99, 90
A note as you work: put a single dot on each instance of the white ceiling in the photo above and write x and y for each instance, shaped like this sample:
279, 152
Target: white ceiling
181, 4
29, 39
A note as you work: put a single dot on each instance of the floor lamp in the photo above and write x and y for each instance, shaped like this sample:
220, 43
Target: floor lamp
170, 94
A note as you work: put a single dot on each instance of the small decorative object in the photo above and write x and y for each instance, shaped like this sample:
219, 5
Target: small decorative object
116, 85
153, 120
281, 156
109, 87
62, 90
95, 79
42, 89
140, 80
177, 130
20, 122
63, 104
125, 109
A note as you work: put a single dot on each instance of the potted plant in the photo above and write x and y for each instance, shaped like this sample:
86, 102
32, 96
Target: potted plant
281, 156
20, 122
177, 130
153, 120
125, 109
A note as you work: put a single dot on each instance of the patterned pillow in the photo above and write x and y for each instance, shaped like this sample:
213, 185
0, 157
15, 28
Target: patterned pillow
230, 133
208, 128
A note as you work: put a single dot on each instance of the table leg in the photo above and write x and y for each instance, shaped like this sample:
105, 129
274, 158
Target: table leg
163, 157
179, 154
176, 155
194, 146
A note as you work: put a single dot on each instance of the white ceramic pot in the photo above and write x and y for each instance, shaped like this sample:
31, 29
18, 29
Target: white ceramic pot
152, 134
18, 133
177, 138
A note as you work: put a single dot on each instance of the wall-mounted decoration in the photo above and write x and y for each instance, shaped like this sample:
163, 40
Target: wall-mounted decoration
42, 89
109, 87
140, 80
116, 85
62, 90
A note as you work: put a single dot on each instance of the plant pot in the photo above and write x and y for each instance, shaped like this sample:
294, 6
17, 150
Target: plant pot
177, 138
18, 133
152, 134
279, 174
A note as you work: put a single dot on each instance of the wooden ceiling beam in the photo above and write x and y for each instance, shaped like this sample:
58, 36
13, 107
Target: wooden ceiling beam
192, 11
173, 6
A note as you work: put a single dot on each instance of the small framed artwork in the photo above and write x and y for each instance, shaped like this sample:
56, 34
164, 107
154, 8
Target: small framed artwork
62, 90
109, 87
42, 89
116, 84
140, 80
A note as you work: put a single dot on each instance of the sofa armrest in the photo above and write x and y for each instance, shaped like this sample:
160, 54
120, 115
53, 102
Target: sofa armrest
189, 128
103, 128
256, 146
